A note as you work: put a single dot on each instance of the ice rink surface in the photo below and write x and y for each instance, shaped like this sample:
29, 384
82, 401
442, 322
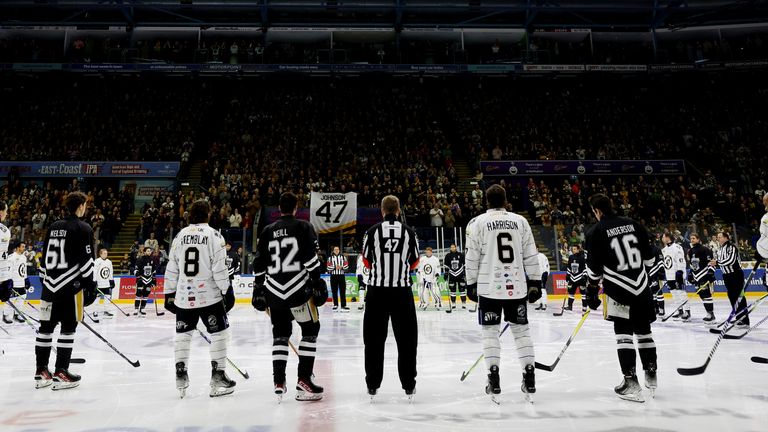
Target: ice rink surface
578, 396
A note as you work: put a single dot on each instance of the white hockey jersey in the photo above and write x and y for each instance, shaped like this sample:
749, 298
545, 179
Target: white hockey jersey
500, 253
18, 267
197, 267
674, 260
762, 242
362, 270
5, 240
543, 263
102, 272
429, 268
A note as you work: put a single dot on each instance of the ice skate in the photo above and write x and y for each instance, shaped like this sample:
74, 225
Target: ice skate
529, 383
182, 379
710, 318
630, 389
493, 387
335, 308
18, 318
108, 314
220, 383
650, 380
280, 391
63, 379
678, 316
7, 319
372, 393
43, 378
344, 309
686, 316
306, 390
410, 394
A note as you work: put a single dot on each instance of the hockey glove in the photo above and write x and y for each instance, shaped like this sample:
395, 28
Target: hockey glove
26, 284
679, 279
5, 290
534, 290
319, 292
593, 296
111, 284
259, 299
758, 257
229, 299
89, 296
170, 303
690, 278
472, 292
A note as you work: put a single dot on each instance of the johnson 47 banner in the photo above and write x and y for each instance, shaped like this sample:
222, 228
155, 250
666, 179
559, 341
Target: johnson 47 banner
333, 212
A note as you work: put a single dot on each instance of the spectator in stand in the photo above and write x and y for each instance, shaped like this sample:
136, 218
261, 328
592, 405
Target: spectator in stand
151, 242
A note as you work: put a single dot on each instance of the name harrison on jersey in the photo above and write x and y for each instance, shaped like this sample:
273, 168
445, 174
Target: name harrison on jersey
194, 240
502, 225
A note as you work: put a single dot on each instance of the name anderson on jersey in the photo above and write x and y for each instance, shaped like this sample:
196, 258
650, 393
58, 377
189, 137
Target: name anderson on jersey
624, 229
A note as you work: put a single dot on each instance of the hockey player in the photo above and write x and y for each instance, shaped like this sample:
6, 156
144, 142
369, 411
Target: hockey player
761, 248
577, 277
6, 284
618, 252
733, 276
701, 275
17, 263
363, 273
429, 272
674, 271
544, 268
287, 280
196, 289
145, 281
68, 287
233, 262
454, 262
103, 275
656, 278
500, 253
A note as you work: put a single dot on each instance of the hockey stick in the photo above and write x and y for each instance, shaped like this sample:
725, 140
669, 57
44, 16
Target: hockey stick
748, 330
700, 369
4, 330
687, 299
157, 311
231, 363
113, 303
464, 375
562, 309
133, 363
72, 360
550, 368
757, 359
739, 315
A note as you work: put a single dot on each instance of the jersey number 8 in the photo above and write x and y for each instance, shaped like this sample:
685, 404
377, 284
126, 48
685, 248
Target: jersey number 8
191, 261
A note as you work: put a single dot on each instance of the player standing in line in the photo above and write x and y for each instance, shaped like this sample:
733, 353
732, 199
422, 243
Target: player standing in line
577, 277
68, 287
287, 280
674, 271
429, 272
733, 276
6, 284
363, 274
544, 269
145, 281
761, 248
701, 275
17, 264
233, 262
454, 261
196, 289
500, 253
618, 253
103, 275
656, 278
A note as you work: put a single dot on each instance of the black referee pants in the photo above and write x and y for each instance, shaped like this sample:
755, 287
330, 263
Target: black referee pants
339, 290
734, 282
381, 304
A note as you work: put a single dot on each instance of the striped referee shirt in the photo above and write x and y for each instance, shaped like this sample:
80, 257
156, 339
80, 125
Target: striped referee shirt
728, 258
391, 251
337, 260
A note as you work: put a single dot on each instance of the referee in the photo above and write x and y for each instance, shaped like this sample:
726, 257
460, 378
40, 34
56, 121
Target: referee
337, 265
733, 276
390, 251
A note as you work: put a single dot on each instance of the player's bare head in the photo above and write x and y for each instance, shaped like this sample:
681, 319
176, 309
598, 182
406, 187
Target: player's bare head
103, 252
3, 210
229, 246
428, 251
667, 238
601, 205
496, 197
453, 248
695, 238
390, 206
576, 248
723, 237
199, 212
288, 203
75, 203
18, 246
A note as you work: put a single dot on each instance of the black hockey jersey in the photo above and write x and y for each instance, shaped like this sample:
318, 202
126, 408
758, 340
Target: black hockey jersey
577, 269
654, 271
145, 271
454, 261
286, 261
699, 257
618, 252
68, 259
233, 264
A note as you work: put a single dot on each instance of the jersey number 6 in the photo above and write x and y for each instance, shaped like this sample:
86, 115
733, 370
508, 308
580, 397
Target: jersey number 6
504, 248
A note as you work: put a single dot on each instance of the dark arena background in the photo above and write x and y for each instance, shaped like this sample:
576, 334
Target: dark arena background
147, 107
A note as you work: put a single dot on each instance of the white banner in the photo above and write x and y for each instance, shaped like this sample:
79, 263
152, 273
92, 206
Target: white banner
333, 212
